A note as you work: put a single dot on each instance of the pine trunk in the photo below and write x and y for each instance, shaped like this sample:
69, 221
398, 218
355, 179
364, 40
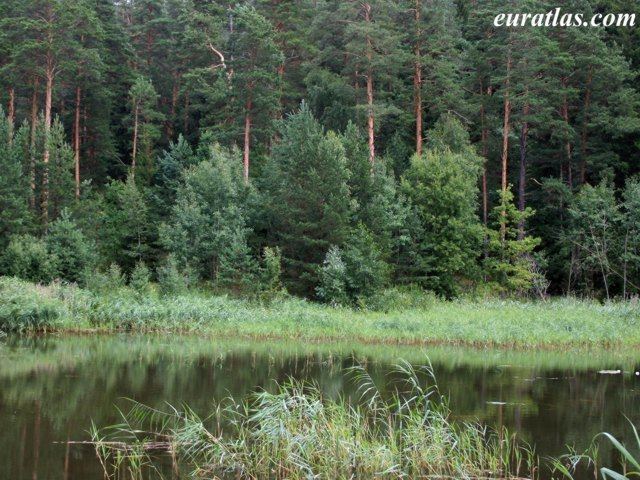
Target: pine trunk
134, 151
247, 141
485, 155
11, 112
76, 140
585, 126
32, 143
506, 128
522, 202
370, 113
47, 146
417, 82
567, 145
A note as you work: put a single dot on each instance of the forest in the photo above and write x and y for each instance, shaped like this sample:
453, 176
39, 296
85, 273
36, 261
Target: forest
330, 149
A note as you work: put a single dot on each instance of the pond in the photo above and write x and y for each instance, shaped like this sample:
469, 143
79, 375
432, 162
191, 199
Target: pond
53, 388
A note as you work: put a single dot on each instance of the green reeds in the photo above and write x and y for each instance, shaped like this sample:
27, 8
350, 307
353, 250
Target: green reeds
296, 433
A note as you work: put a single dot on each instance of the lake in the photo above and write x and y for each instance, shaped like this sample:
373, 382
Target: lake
52, 388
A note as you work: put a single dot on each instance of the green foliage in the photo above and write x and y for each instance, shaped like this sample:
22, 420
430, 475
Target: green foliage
74, 253
630, 247
441, 186
28, 257
144, 119
140, 278
594, 235
510, 261
170, 279
366, 270
332, 287
127, 230
15, 217
208, 229
307, 197
271, 271
27, 308
108, 282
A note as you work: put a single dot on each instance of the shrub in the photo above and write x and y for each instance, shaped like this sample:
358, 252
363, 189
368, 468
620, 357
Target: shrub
271, 271
399, 299
367, 272
333, 278
68, 244
140, 278
27, 257
170, 279
104, 282
26, 307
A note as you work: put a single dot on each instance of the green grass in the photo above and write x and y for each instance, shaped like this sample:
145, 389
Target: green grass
557, 323
295, 433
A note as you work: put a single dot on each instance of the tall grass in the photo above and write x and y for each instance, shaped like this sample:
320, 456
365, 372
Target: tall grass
295, 433
483, 323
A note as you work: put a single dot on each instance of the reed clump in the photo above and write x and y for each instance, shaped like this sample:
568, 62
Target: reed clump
297, 433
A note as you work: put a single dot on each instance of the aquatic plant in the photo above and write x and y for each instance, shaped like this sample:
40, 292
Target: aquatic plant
297, 433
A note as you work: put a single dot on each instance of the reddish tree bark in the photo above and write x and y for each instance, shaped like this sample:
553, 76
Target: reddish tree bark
417, 82
506, 128
567, 145
11, 112
32, 142
76, 140
49, 75
585, 127
370, 114
522, 202
247, 140
134, 150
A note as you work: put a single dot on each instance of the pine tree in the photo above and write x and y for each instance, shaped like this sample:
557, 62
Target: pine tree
307, 197
144, 118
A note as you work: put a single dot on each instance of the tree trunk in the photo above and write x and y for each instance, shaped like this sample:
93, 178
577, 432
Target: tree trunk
522, 202
175, 92
134, 151
76, 140
485, 155
11, 112
47, 146
370, 114
585, 126
567, 145
185, 114
506, 128
417, 82
247, 140
32, 143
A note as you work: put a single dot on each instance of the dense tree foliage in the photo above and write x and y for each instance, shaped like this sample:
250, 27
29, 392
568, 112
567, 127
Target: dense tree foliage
329, 148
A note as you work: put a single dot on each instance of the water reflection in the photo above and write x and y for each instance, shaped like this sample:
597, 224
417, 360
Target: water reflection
51, 389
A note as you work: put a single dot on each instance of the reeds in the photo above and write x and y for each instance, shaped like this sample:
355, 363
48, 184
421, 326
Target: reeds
296, 433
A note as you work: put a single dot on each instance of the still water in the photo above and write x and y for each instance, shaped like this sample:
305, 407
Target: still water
53, 388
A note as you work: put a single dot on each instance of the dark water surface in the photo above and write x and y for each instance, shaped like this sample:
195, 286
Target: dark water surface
52, 388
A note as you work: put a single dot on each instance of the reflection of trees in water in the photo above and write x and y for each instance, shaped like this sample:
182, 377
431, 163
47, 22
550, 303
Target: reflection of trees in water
52, 389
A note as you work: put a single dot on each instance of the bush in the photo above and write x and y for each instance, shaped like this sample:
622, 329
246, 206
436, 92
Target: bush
333, 279
400, 299
27, 257
68, 244
170, 279
104, 282
367, 272
271, 272
140, 278
26, 307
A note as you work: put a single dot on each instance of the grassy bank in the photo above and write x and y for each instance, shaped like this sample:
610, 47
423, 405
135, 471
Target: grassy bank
554, 324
